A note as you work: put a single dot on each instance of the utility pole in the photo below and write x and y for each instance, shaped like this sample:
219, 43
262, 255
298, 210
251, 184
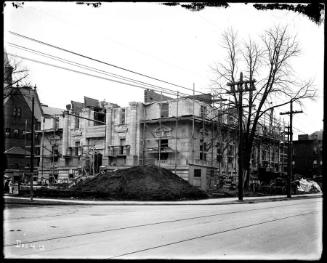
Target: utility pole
290, 147
176, 127
159, 141
193, 123
240, 91
32, 150
219, 133
53, 147
42, 148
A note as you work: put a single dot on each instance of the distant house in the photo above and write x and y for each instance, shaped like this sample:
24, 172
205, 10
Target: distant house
308, 155
17, 106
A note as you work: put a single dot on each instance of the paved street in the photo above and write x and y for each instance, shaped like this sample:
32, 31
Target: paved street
264, 230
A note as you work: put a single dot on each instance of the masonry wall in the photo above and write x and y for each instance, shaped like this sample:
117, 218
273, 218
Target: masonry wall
140, 142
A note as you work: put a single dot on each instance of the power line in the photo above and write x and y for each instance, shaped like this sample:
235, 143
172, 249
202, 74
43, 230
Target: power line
97, 60
88, 67
84, 73
122, 44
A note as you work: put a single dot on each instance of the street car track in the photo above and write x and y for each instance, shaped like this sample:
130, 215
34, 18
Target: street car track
151, 224
209, 234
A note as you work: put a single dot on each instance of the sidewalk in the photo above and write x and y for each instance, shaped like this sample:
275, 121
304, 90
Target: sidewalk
213, 201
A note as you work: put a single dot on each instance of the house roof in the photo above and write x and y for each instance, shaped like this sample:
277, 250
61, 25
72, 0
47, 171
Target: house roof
52, 111
77, 106
151, 96
89, 102
17, 150
27, 93
207, 98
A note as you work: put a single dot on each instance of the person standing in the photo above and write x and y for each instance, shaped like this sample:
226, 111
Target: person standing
6, 187
10, 186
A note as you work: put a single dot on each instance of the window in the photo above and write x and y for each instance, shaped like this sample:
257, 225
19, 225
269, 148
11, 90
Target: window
218, 148
19, 112
164, 110
122, 146
77, 146
37, 151
99, 117
273, 156
219, 155
203, 156
16, 133
163, 144
55, 153
203, 147
122, 116
230, 150
37, 125
264, 157
197, 172
76, 122
219, 152
203, 111
7, 132
14, 112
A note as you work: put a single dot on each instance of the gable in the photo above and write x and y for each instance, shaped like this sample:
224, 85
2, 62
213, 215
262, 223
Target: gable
28, 93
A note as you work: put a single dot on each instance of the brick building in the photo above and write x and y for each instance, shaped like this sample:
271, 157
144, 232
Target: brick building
307, 156
17, 105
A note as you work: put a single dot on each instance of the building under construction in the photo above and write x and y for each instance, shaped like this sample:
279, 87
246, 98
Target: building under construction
188, 135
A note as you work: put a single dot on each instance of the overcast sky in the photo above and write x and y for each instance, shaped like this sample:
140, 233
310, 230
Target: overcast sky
169, 43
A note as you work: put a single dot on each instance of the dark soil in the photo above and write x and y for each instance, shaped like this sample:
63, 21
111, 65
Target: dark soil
144, 183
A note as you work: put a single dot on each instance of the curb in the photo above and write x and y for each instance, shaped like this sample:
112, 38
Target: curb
39, 201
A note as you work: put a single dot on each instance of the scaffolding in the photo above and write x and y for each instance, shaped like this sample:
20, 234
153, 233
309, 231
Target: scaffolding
53, 142
204, 122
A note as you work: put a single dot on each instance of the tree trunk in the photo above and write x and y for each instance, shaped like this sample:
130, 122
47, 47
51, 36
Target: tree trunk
246, 165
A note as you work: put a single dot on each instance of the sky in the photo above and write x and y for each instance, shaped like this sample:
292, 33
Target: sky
170, 43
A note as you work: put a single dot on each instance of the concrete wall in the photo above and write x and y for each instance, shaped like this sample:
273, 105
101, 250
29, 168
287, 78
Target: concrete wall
133, 132
185, 108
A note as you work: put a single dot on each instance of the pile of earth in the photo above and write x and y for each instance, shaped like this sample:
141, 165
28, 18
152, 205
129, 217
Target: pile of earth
140, 183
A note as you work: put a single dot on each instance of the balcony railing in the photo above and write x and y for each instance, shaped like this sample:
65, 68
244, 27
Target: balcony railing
170, 162
120, 150
200, 162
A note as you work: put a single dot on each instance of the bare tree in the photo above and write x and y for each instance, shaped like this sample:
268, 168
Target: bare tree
268, 61
15, 76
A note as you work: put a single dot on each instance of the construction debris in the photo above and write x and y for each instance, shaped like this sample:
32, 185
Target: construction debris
141, 183
308, 186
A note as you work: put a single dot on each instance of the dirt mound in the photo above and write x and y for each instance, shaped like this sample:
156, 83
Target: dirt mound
141, 183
